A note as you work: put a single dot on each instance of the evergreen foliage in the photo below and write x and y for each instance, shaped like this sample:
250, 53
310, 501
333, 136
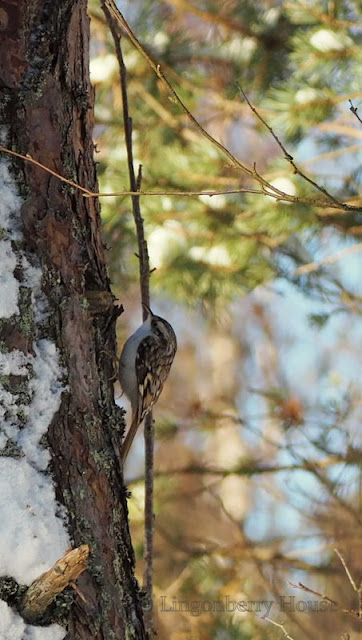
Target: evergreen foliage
298, 64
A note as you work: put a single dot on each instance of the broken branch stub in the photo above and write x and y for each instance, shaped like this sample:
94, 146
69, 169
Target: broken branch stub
44, 589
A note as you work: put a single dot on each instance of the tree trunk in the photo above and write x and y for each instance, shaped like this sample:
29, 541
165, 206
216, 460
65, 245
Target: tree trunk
47, 109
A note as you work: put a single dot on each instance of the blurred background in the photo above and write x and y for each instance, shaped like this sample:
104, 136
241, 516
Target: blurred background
258, 451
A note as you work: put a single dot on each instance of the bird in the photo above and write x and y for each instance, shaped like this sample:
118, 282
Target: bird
144, 365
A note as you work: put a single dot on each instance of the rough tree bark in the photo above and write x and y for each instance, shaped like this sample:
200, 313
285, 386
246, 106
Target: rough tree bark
47, 109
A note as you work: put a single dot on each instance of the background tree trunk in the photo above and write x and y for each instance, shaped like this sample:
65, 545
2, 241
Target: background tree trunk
47, 107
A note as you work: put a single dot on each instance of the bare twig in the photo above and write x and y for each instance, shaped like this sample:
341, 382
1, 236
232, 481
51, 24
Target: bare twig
144, 268
189, 194
358, 590
315, 593
134, 182
149, 519
318, 470
354, 111
29, 158
287, 155
277, 195
281, 626
349, 576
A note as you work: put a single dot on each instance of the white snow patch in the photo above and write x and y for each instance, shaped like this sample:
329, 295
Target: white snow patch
12, 627
10, 203
47, 388
53, 632
32, 280
9, 407
32, 536
14, 363
9, 285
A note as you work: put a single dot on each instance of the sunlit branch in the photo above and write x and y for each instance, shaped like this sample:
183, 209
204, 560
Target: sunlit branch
278, 195
29, 158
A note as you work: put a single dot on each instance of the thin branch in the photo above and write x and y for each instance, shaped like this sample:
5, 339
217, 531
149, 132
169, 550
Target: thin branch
319, 471
149, 435
348, 573
277, 195
30, 159
144, 268
358, 590
280, 625
174, 193
287, 155
134, 182
315, 593
354, 111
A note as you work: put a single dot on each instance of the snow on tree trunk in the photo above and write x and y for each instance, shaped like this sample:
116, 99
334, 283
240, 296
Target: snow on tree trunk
59, 421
